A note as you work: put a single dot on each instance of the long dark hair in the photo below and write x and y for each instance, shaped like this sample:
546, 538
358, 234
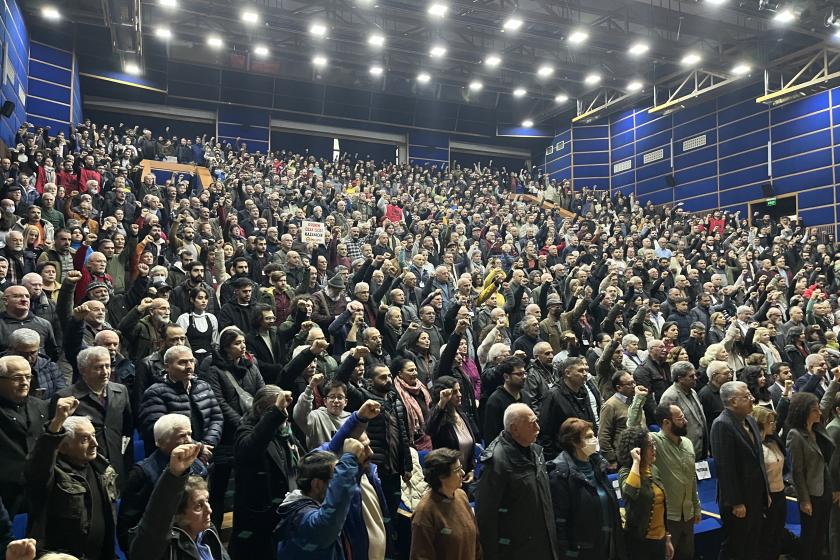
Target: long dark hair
800, 407
750, 375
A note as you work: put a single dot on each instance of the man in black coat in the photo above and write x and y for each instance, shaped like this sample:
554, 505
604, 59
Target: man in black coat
511, 391
570, 398
239, 311
742, 490
22, 420
513, 500
654, 374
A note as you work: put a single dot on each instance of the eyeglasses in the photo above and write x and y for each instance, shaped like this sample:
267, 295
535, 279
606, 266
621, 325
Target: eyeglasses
19, 379
335, 398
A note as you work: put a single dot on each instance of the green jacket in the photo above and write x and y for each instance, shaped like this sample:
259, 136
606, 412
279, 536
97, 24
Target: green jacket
638, 503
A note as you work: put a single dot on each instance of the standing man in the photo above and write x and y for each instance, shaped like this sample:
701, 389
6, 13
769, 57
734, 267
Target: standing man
622, 409
513, 501
683, 395
513, 372
742, 491
569, 399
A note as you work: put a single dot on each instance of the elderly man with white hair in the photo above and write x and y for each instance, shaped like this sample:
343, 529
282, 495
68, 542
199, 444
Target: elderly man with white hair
47, 379
816, 378
513, 501
81, 521
106, 404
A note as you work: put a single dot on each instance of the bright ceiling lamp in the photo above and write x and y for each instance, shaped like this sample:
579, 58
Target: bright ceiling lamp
512, 23
638, 49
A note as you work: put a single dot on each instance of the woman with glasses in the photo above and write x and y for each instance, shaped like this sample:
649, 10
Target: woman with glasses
443, 526
319, 425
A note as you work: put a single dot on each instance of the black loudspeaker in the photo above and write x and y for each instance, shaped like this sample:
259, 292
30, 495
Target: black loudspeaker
671, 180
767, 189
7, 109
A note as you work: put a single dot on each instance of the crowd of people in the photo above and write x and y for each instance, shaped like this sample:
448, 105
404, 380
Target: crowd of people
174, 351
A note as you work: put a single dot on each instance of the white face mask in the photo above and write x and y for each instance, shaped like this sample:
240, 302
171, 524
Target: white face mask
590, 446
158, 278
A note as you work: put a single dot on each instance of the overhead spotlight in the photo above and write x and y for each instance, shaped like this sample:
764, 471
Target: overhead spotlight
784, 16
691, 59
475, 85
376, 70
261, 50
545, 71
741, 69
561, 98
318, 30
527, 123
51, 13
437, 51
132, 68
376, 39
250, 17
638, 49
438, 9
716, 2
215, 41
520, 92
512, 23
163, 33
319, 61
831, 20
168, 3
635, 85
577, 37
423, 78
492, 60
592, 79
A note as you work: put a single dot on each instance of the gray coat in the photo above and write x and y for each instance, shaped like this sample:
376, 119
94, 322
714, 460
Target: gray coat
698, 431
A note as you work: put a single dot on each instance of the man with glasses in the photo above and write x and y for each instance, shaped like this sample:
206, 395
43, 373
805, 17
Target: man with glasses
18, 315
743, 491
683, 395
622, 409
46, 377
22, 420
718, 373
512, 371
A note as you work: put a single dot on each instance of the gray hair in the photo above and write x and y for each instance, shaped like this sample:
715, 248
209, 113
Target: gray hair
360, 286
811, 358
681, 369
73, 423
24, 336
175, 351
743, 309
86, 356
495, 351
513, 413
715, 366
729, 390
167, 424
629, 339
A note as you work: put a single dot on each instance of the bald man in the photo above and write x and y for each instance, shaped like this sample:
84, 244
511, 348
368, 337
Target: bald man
18, 315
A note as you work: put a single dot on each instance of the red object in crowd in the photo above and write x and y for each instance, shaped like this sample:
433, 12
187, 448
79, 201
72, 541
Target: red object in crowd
716, 225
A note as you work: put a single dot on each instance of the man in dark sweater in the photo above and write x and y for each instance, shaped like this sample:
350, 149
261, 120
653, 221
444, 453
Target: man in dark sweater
513, 372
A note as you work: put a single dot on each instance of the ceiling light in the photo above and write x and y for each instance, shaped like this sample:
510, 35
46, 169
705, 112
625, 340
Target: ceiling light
592, 79
261, 50
50, 13
716, 2
635, 85
319, 61
215, 41
741, 69
376, 70
561, 98
493, 60
250, 17
376, 39
837, 34
423, 78
318, 30
638, 49
545, 71
168, 3
512, 23
785, 15
132, 68
578, 37
476, 85
691, 59
163, 33
520, 92
437, 51
438, 10
527, 123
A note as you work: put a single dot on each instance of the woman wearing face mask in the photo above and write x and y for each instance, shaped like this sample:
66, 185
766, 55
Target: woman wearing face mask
585, 506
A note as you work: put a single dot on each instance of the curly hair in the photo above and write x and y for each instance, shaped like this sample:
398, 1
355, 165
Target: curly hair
630, 438
750, 375
800, 407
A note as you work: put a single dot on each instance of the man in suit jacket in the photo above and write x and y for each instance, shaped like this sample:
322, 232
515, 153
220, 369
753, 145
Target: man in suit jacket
683, 395
22, 420
816, 380
742, 490
107, 405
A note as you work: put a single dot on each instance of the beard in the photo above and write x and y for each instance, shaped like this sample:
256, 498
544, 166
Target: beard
680, 431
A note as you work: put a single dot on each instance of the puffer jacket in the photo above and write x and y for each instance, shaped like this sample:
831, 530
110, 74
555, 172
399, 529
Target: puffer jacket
157, 538
245, 373
168, 396
46, 376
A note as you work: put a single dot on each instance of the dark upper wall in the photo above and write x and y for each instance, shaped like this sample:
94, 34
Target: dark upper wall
15, 81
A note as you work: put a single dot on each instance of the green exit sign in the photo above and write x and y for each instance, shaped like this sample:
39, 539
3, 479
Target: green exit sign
771, 202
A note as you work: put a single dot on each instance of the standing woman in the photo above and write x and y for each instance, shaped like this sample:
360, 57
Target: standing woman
815, 475
670, 335
443, 526
774, 462
416, 400
585, 507
644, 497
202, 328
449, 426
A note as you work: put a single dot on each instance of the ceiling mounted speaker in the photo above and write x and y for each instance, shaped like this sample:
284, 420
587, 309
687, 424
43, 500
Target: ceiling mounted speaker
767, 189
7, 109
671, 180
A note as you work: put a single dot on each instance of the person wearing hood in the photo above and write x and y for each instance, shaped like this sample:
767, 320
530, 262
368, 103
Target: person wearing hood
337, 513
321, 424
266, 456
239, 311
235, 378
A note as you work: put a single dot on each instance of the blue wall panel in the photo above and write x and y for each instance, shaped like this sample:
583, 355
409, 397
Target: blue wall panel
15, 86
50, 100
251, 126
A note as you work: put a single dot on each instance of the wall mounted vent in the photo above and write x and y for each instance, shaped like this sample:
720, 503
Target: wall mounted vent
560, 146
695, 142
622, 166
655, 155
